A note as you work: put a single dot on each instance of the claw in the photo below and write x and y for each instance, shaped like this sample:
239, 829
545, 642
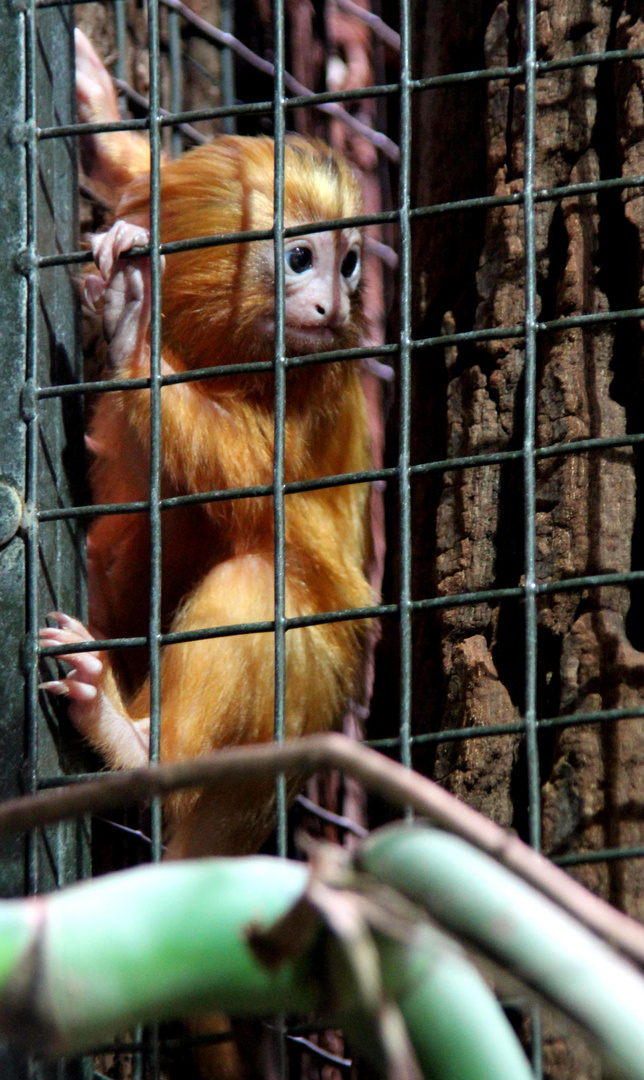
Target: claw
58, 687
80, 684
93, 290
93, 445
73, 625
69, 688
382, 371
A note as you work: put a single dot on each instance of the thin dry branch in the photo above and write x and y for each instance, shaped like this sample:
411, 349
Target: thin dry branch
303, 757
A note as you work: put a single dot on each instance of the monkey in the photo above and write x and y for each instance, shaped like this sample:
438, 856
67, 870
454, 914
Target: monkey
217, 433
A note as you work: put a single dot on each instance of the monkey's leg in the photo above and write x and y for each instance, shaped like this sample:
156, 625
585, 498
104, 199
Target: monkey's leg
218, 692
110, 159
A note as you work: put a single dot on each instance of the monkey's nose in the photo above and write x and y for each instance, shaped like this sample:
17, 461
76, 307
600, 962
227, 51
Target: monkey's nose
320, 309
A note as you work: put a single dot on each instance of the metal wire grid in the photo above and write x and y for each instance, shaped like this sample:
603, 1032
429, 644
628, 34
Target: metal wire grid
32, 265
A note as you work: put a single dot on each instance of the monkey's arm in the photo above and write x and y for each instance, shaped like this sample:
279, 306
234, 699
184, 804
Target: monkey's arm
198, 433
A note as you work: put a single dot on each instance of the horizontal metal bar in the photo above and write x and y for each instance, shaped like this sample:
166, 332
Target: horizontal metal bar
215, 112
603, 855
230, 630
198, 243
227, 494
352, 614
484, 731
471, 461
600, 716
481, 202
106, 386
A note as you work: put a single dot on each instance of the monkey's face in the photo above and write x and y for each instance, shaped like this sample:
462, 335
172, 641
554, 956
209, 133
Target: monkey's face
321, 277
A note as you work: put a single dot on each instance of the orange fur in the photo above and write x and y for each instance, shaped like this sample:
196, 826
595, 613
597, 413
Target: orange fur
217, 559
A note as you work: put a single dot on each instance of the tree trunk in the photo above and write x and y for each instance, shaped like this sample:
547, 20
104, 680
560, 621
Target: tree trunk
468, 523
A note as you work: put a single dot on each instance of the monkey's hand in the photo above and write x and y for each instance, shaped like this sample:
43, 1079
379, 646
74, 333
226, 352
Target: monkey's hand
95, 706
124, 288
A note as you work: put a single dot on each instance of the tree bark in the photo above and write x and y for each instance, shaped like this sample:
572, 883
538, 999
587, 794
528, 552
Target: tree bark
468, 524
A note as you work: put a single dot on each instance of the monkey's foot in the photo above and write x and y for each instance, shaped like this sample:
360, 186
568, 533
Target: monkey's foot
95, 707
82, 683
94, 87
110, 159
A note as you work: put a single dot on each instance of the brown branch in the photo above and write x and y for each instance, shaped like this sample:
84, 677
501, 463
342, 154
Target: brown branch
303, 757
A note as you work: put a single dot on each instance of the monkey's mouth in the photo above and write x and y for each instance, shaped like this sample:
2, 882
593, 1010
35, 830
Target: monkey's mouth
300, 340
308, 339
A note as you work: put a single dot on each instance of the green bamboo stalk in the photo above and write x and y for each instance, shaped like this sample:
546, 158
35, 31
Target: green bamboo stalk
147, 944
479, 900
165, 941
456, 1025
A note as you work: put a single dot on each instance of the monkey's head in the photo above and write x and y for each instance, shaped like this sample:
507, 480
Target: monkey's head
322, 270
219, 302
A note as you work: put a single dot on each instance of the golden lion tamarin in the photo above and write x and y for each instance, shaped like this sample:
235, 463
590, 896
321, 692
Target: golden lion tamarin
218, 307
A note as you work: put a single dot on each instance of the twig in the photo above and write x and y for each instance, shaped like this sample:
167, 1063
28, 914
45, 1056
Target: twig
333, 819
303, 757
319, 1051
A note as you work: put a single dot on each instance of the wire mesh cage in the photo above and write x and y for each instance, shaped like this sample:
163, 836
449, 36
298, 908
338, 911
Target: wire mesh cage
500, 154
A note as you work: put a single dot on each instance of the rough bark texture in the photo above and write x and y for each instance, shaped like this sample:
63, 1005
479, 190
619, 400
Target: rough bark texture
469, 273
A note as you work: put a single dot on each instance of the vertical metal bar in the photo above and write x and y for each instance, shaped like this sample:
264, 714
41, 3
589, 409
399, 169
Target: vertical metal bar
228, 67
120, 67
532, 748
120, 71
13, 433
137, 1057
405, 387
176, 77
155, 411
536, 1027
155, 456
529, 434
279, 517
280, 413
31, 448
120, 28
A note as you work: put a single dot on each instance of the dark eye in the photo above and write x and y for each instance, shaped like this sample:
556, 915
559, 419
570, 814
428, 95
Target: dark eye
298, 260
349, 264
